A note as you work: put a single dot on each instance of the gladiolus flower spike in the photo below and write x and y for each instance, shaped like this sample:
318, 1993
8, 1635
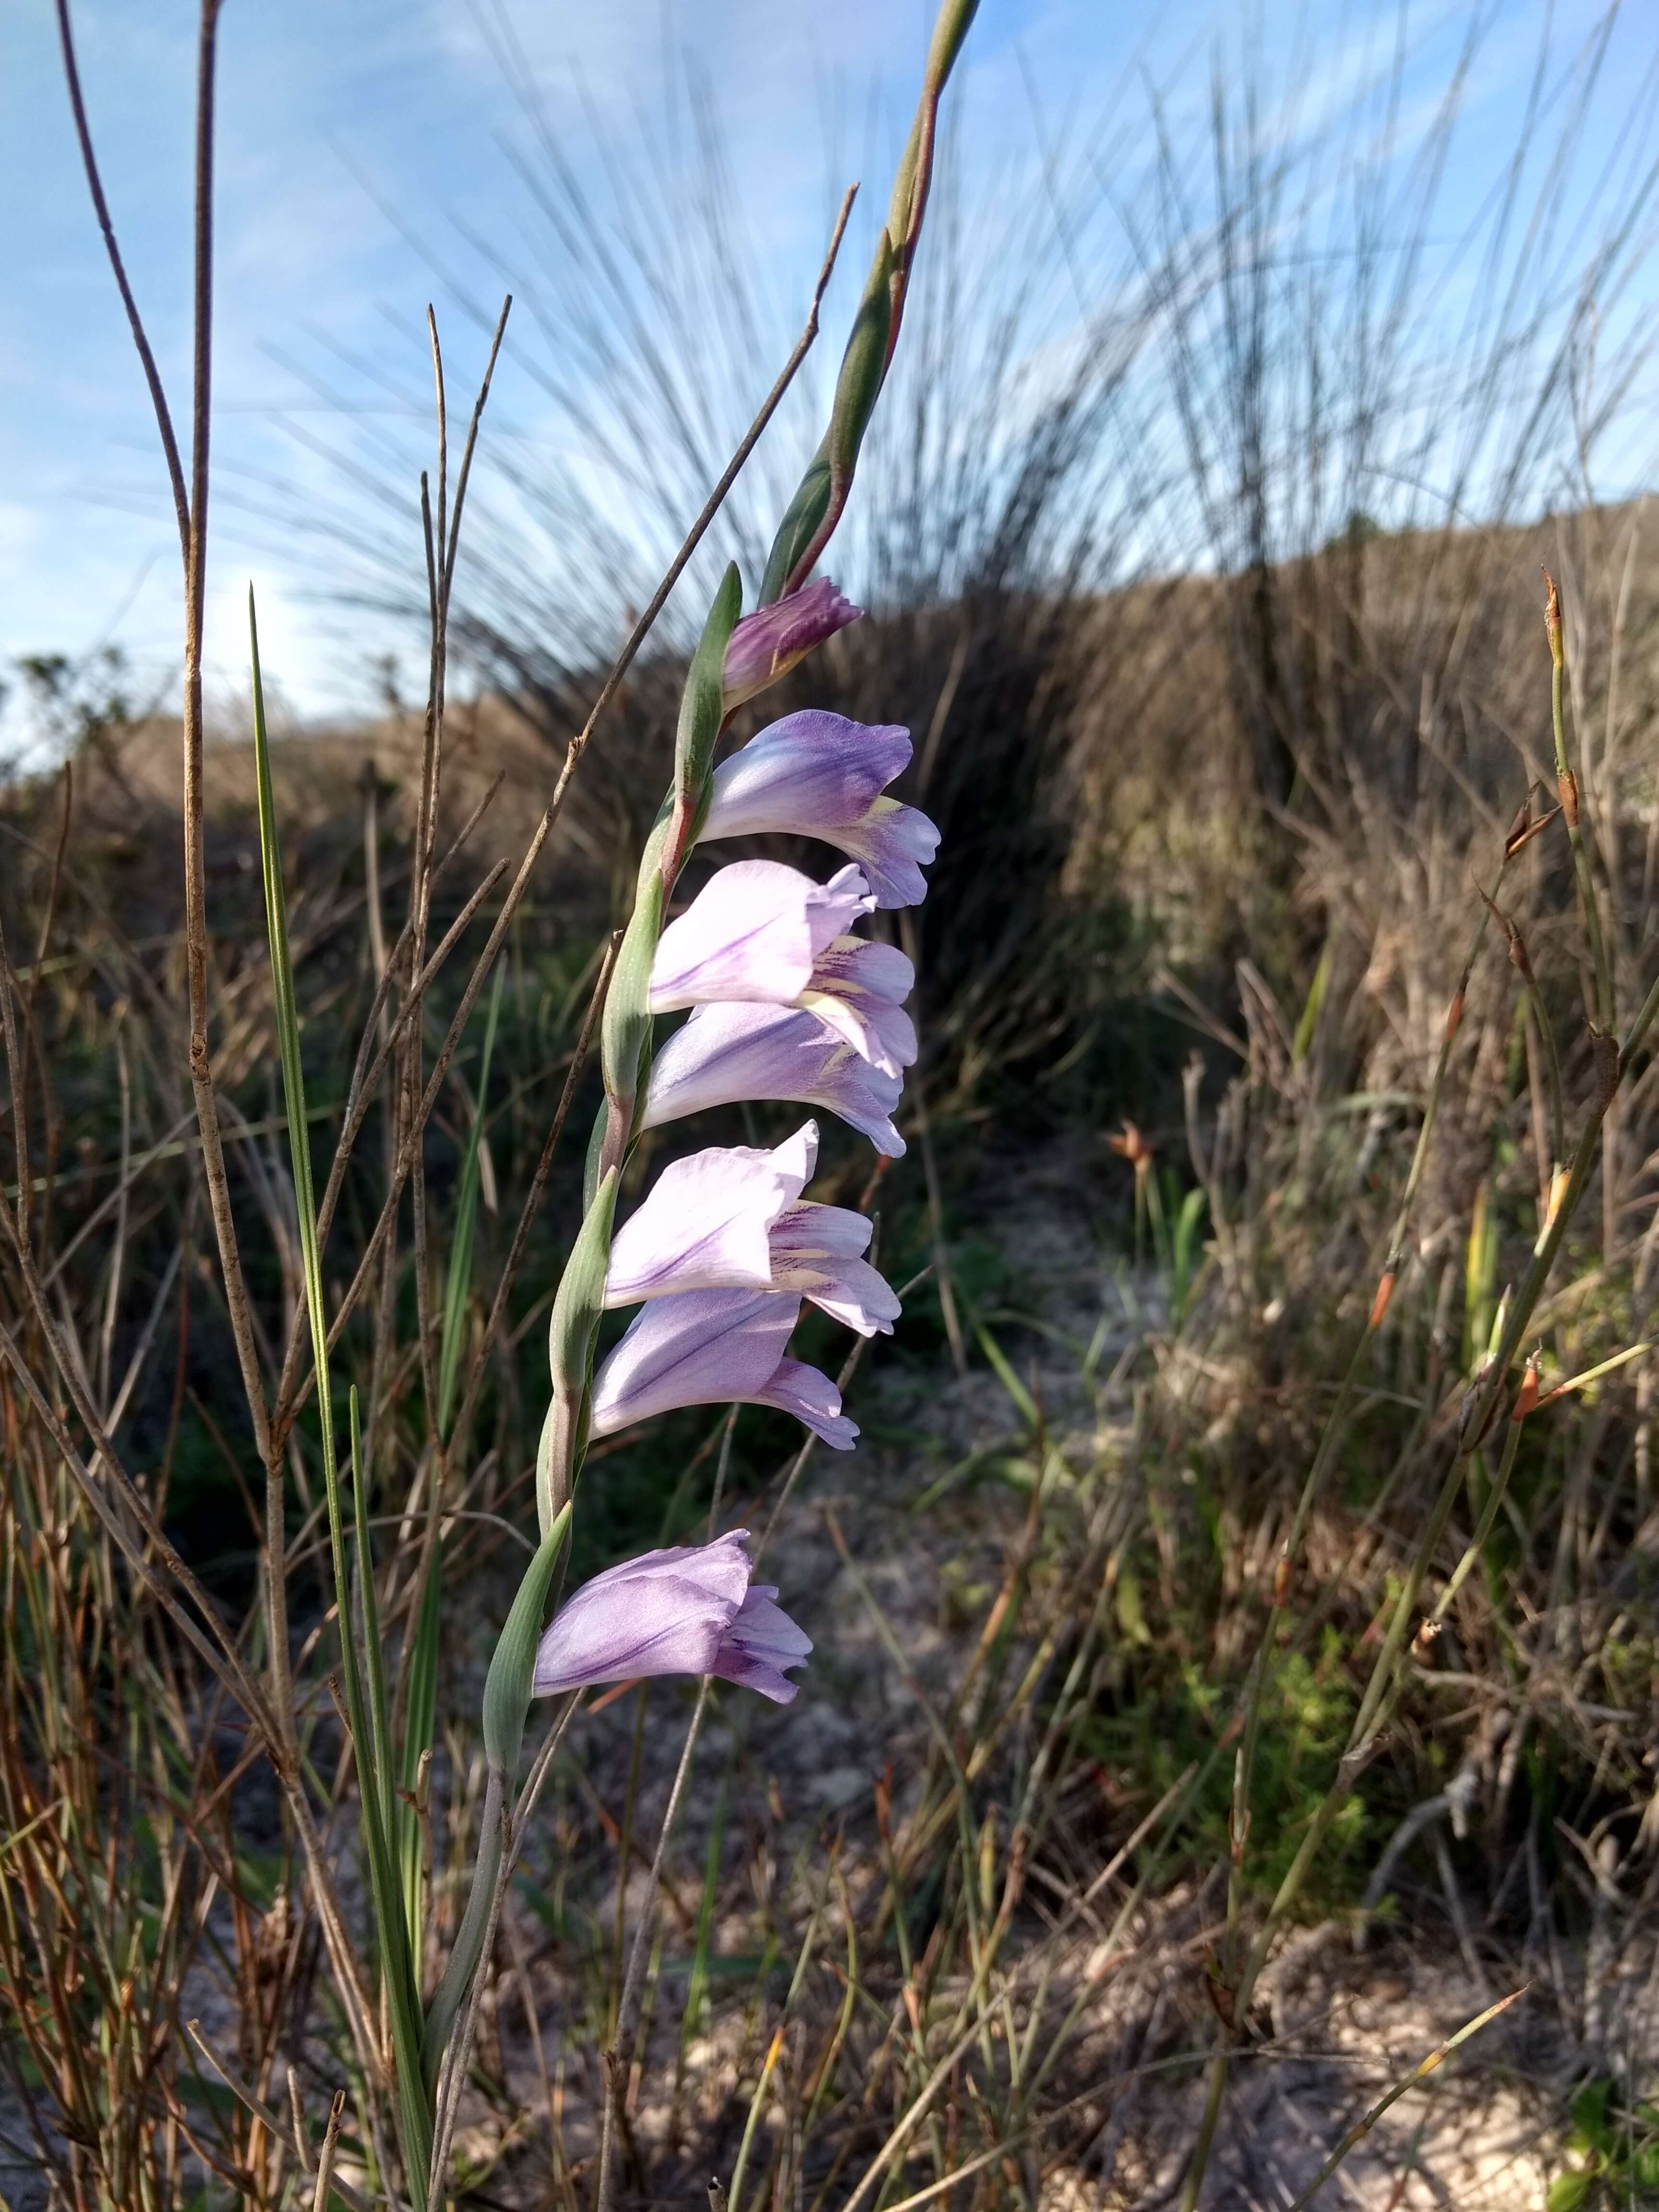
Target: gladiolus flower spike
784, 1000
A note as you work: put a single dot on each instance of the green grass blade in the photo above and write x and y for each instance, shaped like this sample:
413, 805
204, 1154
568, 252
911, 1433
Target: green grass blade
1317, 991
413, 2108
1024, 1404
368, 1605
404, 1822
420, 1721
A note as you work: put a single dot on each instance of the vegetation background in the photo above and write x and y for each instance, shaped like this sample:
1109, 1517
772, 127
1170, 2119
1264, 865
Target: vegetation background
1200, 535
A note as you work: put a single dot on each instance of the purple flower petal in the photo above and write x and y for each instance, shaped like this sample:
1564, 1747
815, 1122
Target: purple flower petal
857, 987
700, 1348
816, 1250
819, 774
753, 931
734, 1220
657, 1627
812, 1398
761, 1641
714, 1348
891, 843
729, 1053
704, 1223
688, 1610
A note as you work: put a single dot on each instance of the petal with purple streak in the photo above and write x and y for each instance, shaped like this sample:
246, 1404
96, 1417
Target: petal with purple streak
688, 1610
857, 986
714, 1348
817, 1251
699, 1348
727, 1054
663, 1614
811, 1397
761, 1641
819, 774
753, 931
705, 1222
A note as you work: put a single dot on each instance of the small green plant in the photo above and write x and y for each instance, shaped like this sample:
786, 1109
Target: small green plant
1614, 2151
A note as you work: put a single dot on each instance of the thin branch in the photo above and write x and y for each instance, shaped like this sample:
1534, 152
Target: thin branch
134, 320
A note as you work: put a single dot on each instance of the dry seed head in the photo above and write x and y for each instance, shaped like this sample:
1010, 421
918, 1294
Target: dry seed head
1517, 943
1526, 825
1132, 1147
1552, 619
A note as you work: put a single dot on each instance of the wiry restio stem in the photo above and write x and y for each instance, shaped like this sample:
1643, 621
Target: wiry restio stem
190, 502
1567, 784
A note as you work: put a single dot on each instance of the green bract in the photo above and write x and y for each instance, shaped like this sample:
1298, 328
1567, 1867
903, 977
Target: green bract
701, 703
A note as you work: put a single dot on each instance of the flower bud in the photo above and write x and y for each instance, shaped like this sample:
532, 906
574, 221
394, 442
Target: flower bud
768, 645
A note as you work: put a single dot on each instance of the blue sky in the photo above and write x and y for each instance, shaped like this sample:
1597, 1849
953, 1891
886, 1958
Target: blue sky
356, 141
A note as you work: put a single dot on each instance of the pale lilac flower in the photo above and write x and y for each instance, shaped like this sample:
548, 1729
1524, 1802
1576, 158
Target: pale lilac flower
732, 1220
753, 931
690, 1610
857, 986
706, 1223
819, 774
728, 1053
763, 934
714, 1348
768, 645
